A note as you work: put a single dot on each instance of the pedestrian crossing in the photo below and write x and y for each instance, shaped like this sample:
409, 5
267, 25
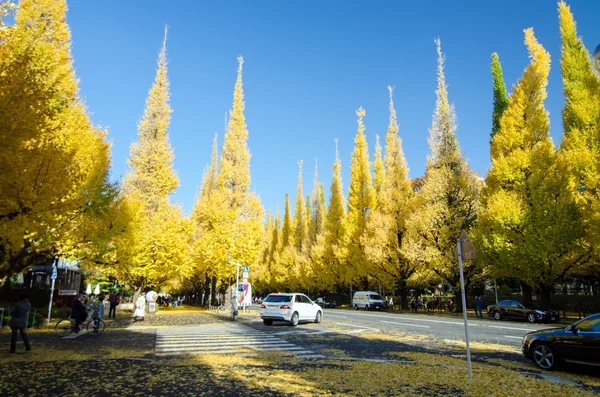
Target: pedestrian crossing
223, 339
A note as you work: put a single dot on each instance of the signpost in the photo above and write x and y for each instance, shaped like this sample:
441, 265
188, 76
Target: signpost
53, 278
465, 250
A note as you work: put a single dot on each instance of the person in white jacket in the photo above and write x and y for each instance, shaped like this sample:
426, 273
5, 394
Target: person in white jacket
140, 309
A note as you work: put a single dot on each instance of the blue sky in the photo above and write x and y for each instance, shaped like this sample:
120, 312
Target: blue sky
308, 66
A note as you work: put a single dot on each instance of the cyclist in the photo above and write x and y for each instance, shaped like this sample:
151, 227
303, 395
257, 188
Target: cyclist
78, 312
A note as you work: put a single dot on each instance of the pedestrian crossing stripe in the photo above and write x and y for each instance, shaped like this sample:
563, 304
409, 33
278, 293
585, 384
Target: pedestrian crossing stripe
223, 339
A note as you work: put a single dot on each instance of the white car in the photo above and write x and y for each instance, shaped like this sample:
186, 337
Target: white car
292, 307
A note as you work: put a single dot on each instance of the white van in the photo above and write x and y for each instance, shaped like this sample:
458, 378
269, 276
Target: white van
367, 300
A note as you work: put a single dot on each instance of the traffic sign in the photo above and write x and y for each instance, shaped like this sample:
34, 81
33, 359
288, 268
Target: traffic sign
53, 277
245, 269
245, 275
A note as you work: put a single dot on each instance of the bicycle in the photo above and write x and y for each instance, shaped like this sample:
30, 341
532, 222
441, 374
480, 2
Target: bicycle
94, 326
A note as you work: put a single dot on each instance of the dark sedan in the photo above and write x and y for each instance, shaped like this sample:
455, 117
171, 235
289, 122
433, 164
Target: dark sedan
325, 304
578, 343
516, 310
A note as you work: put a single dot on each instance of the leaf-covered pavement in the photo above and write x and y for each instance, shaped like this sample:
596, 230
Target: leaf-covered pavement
122, 363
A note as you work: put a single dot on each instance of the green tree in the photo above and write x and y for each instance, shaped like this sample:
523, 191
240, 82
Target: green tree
500, 96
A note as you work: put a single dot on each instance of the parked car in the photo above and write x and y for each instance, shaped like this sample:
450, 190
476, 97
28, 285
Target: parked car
367, 300
527, 311
578, 343
326, 304
292, 307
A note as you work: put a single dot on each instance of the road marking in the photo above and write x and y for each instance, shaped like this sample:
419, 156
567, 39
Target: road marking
513, 337
359, 326
224, 339
416, 318
501, 327
410, 325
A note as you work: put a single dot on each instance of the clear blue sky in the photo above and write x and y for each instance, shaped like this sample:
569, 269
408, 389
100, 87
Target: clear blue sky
309, 66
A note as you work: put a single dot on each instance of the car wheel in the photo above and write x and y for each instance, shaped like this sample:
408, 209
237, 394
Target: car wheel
355, 307
294, 320
497, 315
531, 317
544, 356
268, 322
318, 317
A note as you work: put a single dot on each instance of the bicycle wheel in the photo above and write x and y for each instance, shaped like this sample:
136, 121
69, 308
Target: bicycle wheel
95, 327
64, 327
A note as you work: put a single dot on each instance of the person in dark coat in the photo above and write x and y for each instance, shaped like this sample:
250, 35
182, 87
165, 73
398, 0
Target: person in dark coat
113, 299
18, 322
78, 312
479, 305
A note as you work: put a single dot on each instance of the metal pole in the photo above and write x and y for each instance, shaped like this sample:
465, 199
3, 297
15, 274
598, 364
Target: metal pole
50, 303
464, 307
496, 289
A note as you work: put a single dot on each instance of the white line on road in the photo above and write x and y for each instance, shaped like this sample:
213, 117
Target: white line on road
358, 326
356, 331
410, 325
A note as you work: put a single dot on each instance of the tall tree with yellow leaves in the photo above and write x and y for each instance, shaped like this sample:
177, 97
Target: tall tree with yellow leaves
534, 227
361, 200
237, 234
580, 148
330, 251
157, 250
53, 161
448, 200
386, 227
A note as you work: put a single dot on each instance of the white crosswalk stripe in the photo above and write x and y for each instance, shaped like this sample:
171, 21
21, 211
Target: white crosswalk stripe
223, 339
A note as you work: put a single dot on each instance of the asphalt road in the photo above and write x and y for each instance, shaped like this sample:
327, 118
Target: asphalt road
443, 329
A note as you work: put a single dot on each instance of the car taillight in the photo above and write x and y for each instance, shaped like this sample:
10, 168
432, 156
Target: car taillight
285, 307
263, 306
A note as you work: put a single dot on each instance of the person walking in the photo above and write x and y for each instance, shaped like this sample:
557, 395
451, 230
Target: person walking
392, 303
113, 300
18, 323
479, 305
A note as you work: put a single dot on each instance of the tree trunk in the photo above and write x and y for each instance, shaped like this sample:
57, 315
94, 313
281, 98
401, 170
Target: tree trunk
137, 293
206, 295
213, 291
403, 296
527, 292
545, 293
365, 282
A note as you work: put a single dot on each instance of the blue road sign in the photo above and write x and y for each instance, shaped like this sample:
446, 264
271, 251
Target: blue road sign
245, 269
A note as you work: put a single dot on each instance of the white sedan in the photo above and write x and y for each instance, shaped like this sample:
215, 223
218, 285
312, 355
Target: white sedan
292, 307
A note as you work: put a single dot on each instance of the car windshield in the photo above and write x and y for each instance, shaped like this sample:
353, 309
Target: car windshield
375, 297
279, 298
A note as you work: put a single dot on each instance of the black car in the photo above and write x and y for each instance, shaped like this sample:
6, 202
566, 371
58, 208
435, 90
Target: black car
578, 343
325, 304
527, 311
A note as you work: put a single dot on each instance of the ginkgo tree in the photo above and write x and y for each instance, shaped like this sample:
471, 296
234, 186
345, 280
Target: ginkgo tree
54, 163
533, 228
448, 199
156, 249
